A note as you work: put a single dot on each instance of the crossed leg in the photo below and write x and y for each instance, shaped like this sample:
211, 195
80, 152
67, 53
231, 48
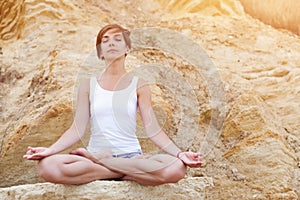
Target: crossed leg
155, 170
75, 169
146, 170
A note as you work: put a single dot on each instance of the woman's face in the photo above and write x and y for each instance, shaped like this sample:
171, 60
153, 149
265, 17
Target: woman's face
113, 45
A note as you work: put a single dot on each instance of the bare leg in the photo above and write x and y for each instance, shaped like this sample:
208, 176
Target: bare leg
146, 170
73, 169
158, 169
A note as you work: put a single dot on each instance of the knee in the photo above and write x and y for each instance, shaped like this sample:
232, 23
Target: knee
48, 170
174, 172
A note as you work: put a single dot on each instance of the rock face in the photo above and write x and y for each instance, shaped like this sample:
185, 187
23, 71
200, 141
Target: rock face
222, 82
12, 19
278, 13
190, 188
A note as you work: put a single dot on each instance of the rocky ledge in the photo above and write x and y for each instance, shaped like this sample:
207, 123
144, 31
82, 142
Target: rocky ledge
188, 188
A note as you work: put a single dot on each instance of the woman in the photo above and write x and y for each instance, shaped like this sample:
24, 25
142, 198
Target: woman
111, 102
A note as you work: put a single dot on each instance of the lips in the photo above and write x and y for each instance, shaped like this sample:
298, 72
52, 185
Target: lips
111, 50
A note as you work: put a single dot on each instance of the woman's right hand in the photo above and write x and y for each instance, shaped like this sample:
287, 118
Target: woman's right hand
37, 153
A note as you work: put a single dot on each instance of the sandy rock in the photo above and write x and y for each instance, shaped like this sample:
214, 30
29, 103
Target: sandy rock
50, 47
190, 188
278, 13
12, 19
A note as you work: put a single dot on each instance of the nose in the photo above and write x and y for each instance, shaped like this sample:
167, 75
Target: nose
111, 43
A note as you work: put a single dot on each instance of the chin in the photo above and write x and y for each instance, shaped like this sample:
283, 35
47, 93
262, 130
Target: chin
112, 58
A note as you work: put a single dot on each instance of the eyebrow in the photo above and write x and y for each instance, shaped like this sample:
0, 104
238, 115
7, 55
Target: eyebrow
112, 35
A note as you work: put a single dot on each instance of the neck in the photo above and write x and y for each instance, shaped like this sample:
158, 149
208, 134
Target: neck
115, 67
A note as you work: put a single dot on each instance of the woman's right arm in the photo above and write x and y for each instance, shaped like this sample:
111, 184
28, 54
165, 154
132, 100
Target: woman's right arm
73, 134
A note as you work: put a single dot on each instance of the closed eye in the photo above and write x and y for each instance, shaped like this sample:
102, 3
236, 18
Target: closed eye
105, 39
118, 37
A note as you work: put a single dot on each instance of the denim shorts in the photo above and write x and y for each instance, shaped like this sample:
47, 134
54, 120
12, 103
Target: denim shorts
128, 155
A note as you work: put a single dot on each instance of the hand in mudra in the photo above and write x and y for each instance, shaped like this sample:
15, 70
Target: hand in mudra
191, 159
38, 153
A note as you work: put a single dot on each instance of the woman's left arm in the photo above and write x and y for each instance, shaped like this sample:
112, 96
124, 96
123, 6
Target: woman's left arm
155, 132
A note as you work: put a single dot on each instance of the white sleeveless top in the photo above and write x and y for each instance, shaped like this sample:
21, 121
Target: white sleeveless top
113, 118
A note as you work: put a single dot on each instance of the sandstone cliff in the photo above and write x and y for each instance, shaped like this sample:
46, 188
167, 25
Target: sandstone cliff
231, 90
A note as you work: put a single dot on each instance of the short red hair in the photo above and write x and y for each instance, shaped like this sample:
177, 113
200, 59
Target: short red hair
125, 33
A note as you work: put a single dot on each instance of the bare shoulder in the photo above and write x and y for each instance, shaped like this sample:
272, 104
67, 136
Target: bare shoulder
143, 87
84, 85
84, 81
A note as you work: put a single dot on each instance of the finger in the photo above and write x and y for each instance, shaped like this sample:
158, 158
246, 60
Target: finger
196, 165
72, 152
30, 150
199, 155
198, 162
28, 157
36, 149
33, 157
194, 156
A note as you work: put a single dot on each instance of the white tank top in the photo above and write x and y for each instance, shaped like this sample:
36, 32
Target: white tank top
113, 118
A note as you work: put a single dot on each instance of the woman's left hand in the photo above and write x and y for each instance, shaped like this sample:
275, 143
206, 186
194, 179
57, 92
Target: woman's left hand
191, 159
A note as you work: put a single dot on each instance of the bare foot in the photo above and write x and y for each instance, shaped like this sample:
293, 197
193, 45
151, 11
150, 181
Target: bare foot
84, 153
80, 152
95, 157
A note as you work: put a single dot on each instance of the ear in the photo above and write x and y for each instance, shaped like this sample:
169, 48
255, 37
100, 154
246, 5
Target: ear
127, 49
